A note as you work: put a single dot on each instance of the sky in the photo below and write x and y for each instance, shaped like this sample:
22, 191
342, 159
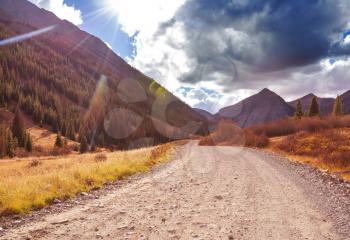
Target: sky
215, 53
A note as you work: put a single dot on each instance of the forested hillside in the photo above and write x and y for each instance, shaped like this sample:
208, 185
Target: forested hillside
71, 82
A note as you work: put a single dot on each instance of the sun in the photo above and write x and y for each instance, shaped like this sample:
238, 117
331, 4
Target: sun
114, 6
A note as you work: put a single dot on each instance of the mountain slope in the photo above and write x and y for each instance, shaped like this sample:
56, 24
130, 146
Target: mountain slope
266, 106
72, 81
326, 104
345, 97
206, 114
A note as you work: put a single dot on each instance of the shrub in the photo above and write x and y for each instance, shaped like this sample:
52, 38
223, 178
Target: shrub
291, 126
328, 146
227, 133
100, 157
255, 140
206, 141
59, 143
34, 163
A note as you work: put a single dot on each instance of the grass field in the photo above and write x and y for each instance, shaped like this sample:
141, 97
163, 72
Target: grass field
35, 182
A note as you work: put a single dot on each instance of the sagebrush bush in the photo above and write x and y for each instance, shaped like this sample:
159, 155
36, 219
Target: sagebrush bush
256, 140
101, 157
34, 163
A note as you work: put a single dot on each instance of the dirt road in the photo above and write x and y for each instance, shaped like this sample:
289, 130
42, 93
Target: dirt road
204, 193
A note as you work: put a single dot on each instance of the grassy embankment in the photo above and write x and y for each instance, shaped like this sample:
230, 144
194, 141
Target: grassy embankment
328, 150
322, 143
29, 184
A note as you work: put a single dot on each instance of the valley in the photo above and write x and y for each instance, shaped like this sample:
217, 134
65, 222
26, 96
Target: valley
155, 121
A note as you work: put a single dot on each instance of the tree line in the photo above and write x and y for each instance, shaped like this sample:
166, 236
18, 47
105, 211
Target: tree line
14, 136
314, 109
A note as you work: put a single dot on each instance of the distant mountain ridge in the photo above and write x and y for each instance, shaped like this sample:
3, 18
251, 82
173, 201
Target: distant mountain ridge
345, 97
326, 104
205, 114
265, 106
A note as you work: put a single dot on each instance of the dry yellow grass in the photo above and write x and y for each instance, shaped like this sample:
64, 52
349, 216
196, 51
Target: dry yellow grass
33, 183
328, 150
346, 177
316, 163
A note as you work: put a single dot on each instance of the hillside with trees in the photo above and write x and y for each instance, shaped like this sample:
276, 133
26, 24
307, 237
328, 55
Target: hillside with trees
69, 82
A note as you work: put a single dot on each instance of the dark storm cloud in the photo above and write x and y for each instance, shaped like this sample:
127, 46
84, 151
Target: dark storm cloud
260, 36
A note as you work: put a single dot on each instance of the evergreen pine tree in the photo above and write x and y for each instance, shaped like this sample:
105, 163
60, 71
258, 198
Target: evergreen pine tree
299, 113
70, 132
64, 129
93, 147
83, 145
55, 126
29, 144
11, 145
3, 140
18, 129
314, 109
338, 107
59, 142
101, 140
2, 95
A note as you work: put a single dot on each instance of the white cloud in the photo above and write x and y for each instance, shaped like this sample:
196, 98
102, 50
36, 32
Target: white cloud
170, 54
327, 80
347, 40
210, 100
146, 16
151, 55
168, 57
61, 10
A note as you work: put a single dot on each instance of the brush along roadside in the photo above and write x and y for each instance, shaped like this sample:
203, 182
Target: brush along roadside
328, 150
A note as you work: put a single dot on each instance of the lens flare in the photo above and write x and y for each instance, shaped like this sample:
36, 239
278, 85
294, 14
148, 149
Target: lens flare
26, 36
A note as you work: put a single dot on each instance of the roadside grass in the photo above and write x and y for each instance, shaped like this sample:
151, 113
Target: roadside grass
34, 183
326, 149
